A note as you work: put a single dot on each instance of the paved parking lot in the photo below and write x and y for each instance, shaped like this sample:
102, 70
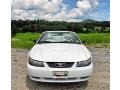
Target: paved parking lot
98, 81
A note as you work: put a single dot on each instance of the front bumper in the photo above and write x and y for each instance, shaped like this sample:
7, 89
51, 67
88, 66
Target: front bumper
45, 74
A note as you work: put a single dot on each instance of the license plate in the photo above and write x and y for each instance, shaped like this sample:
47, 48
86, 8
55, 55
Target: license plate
60, 73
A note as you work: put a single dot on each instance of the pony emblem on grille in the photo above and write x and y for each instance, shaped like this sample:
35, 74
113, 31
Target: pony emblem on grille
60, 65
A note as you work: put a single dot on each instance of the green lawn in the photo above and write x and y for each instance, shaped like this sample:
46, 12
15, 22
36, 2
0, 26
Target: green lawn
24, 40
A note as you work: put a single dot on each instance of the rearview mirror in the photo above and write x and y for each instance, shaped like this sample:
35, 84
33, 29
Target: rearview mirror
34, 41
83, 41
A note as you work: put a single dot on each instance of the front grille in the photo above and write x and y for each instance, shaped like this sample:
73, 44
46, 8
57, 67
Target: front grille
60, 64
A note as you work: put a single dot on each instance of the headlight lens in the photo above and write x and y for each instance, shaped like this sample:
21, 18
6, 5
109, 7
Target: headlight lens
84, 63
35, 63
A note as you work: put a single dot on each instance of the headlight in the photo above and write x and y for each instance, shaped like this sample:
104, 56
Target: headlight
35, 63
84, 63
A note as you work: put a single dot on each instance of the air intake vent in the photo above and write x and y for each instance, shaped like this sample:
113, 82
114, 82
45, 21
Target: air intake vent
60, 64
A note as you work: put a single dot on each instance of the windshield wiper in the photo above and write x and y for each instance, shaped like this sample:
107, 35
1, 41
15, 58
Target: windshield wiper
69, 42
44, 42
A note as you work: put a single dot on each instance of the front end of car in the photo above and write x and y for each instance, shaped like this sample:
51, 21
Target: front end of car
59, 72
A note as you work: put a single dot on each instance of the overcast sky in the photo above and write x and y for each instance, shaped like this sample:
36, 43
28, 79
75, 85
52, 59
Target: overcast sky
61, 10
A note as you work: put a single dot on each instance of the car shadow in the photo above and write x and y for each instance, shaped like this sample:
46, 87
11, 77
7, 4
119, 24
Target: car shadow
33, 85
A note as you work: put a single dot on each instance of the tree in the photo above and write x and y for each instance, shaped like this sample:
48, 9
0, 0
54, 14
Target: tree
102, 29
13, 30
44, 25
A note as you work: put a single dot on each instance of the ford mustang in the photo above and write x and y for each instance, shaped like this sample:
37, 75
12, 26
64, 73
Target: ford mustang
59, 57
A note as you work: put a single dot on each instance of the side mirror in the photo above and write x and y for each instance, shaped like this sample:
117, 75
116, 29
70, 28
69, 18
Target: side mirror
34, 41
83, 41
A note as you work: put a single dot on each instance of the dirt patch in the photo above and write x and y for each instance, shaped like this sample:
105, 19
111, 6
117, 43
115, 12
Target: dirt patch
98, 81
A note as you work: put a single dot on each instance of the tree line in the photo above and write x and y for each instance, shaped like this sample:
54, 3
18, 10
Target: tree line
87, 26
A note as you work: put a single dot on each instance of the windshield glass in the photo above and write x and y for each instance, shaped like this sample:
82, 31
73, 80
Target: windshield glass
59, 37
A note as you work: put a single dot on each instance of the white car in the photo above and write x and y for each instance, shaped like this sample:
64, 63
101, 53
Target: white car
59, 57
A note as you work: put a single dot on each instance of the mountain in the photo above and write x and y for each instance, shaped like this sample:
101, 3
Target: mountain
89, 21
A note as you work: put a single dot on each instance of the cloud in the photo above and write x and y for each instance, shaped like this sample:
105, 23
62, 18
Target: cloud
50, 9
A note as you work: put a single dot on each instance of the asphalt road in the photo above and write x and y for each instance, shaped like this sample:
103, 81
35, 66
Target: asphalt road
98, 81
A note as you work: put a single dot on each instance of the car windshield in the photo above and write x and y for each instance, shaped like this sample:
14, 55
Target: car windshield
59, 37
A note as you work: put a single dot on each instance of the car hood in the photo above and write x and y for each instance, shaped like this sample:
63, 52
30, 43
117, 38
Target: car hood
59, 52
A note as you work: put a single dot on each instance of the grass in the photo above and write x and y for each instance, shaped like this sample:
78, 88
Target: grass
24, 40
95, 37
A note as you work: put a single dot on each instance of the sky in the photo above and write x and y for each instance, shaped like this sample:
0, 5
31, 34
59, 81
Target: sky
61, 10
